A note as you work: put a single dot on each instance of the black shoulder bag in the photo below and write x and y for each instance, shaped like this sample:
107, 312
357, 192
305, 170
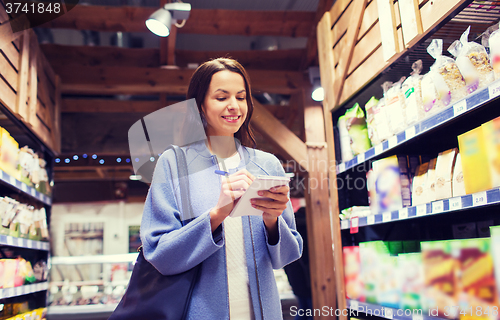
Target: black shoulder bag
151, 295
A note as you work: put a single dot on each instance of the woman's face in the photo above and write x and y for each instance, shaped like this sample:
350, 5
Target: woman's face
225, 104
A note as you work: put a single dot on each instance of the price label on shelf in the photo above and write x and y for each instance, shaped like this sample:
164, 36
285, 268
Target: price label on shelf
459, 108
386, 217
10, 241
455, 203
342, 167
437, 207
361, 157
24, 187
18, 291
494, 90
12, 180
410, 132
393, 141
403, 213
479, 199
379, 148
421, 210
389, 313
354, 305
33, 191
370, 219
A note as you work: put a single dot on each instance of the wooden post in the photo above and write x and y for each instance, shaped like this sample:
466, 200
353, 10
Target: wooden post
33, 84
326, 67
318, 214
24, 64
57, 116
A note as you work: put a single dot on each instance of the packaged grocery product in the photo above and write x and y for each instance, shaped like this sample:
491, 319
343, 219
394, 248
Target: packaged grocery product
352, 273
473, 62
495, 251
25, 218
391, 185
11, 210
430, 186
430, 98
382, 121
345, 140
491, 134
458, 185
26, 163
474, 161
494, 44
444, 174
447, 78
412, 90
411, 275
395, 106
356, 211
358, 132
477, 279
440, 282
9, 152
372, 108
419, 184
369, 253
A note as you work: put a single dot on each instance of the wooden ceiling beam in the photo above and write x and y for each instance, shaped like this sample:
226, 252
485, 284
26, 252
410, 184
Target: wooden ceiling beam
91, 56
201, 21
311, 57
133, 80
277, 134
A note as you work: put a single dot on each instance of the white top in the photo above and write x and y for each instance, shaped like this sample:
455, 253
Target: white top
240, 303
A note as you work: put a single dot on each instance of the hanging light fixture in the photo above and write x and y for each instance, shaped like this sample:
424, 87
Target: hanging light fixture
318, 93
160, 21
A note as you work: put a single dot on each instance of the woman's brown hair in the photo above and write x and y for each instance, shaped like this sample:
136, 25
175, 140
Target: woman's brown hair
198, 87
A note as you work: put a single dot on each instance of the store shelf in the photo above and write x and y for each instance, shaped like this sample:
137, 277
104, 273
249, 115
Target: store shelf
388, 313
27, 289
24, 188
110, 258
24, 243
473, 101
97, 311
479, 199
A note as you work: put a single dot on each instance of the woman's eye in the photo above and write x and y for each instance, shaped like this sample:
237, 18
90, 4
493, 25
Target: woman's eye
221, 99
241, 98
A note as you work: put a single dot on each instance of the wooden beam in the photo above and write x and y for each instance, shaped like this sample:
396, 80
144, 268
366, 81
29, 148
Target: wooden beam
201, 21
319, 220
22, 92
312, 42
109, 106
102, 56
130, 80
346, 56
286, 142
6, 34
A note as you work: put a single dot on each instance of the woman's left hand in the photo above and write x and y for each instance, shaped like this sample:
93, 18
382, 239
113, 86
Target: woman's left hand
272, 208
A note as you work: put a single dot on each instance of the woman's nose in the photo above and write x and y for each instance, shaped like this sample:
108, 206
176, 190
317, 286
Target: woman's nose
233, 103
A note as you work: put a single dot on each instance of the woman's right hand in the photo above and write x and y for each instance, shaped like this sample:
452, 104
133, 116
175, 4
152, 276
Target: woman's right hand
233, 187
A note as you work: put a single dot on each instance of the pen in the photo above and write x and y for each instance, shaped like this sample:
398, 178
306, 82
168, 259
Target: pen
221, 172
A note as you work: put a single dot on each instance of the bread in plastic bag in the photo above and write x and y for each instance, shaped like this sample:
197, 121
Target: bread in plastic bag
358, 131
447, 78
345, 140
473, 62
412, 90
372, 109
395, 106
491, 39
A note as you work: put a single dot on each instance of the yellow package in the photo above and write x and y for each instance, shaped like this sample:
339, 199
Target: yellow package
474, 161
491, 133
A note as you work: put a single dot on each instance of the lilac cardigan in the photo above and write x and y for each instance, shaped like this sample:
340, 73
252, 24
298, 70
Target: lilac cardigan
173, 248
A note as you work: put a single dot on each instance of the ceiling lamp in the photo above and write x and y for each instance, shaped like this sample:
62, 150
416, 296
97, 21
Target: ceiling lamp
318, 93
160, 21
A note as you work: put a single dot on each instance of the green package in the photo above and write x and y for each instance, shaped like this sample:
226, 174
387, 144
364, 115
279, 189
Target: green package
358, 130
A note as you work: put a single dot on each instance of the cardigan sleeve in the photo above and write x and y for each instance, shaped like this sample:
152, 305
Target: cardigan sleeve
168, 245
289, 246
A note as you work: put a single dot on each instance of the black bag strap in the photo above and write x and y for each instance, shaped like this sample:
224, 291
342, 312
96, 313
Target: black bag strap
182, 171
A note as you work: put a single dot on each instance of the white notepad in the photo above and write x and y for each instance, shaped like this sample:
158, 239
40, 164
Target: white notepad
244, 207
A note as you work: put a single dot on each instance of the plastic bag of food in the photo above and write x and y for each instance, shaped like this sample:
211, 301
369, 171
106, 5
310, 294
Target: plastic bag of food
430, 97
491, 39
372, 108
395, 106
382, 121
447, 78
345, 140
473, 62
412, 90
358, 131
